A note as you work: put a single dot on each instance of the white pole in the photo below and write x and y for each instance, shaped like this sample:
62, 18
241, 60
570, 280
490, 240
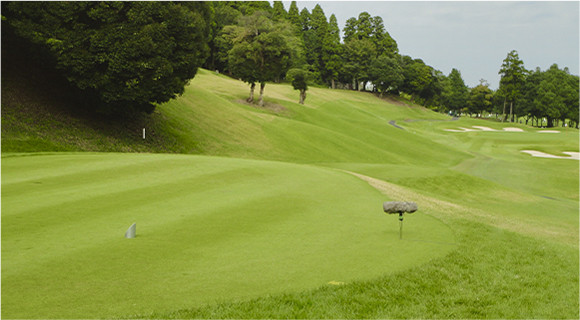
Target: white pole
143, 133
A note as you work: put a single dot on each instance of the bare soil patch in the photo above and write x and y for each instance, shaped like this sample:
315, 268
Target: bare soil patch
268, 106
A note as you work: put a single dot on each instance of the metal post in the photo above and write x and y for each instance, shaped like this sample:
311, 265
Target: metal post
400, 226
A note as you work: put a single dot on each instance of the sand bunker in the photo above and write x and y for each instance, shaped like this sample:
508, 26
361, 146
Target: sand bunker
480, 128
462, 130
573, 155
484, 128
549, 131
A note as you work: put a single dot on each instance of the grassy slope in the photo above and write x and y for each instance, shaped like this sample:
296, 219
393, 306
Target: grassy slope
518, 253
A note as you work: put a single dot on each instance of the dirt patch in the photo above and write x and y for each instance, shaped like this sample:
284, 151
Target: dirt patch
268, 106
396, 102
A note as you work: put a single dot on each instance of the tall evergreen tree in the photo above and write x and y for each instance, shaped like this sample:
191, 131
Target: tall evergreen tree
457, 98
313, 39
278, 12
305, 19
350, 28
331, 51
512, 80
382, 39
294, 14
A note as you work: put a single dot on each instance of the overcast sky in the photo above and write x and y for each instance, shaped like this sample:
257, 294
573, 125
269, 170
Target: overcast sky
473, 37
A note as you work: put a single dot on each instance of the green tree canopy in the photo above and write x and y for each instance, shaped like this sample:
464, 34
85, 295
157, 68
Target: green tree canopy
261, 50
299, 79
129, 55
552, 94
480, 98
386, 73
278, 12
418, 76
358, 55
456, 93
367, 27
512, 80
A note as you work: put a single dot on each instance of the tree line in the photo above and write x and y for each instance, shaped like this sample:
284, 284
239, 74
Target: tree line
131, 56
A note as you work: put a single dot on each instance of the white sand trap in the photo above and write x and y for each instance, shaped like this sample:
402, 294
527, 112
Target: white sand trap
549, 131
484, 128
462, 130
513, 129
480, 128
573, 155
467, 129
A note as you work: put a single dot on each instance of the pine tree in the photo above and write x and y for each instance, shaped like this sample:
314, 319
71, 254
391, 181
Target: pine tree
512, 79
331, 51
278, 12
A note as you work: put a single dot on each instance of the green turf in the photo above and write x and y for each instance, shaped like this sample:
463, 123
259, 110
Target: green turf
266, 225
207, 229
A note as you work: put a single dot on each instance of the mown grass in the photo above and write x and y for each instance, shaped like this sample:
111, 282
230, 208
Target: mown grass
204, 224
515, 217
493, 274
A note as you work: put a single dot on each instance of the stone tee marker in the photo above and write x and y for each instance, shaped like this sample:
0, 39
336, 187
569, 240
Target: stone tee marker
401, 208
130, 234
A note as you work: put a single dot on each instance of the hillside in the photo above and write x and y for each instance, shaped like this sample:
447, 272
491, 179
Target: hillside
40, 114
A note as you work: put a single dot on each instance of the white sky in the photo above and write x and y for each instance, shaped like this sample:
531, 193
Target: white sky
473, 37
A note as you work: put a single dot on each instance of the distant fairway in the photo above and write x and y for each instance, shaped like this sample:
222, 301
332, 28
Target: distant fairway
208, 229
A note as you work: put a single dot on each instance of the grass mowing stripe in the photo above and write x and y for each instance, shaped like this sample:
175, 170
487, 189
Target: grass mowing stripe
241, 230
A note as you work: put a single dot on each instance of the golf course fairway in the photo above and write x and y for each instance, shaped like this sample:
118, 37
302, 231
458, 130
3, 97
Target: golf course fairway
208, 229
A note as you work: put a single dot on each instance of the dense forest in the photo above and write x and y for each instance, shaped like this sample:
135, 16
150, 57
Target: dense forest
131, 56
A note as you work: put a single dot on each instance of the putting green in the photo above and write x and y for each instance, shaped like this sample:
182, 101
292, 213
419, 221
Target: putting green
208, 229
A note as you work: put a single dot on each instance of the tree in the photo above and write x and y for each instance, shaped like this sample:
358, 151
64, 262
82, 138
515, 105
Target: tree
278, 12
512, 79
456, 93
372, 28
299, 79
331, 51
386, 73
382, 39
224, 15
433, 87
261, 50
313, 41
128, 56
294, 14
480, 98
551, 94
358, 55
418, 76
529, 95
